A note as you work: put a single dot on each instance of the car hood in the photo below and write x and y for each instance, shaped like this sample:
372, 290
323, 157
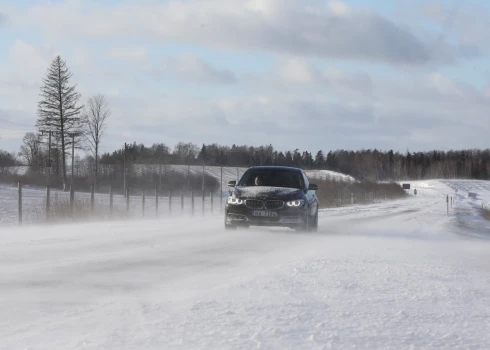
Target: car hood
265, 193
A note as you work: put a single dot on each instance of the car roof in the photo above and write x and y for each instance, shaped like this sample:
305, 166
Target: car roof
274, 167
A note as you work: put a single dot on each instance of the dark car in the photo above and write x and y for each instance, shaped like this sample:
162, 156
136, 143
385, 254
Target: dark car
272, 196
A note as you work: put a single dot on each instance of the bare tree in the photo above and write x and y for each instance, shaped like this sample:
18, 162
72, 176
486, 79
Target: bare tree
58, 111
186, 152
95, 116
32, 152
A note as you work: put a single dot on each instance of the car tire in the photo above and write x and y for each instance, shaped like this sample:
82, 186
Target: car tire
306, 226
229, 227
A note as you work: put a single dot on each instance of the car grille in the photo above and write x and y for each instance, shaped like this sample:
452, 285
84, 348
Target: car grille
274, 204
254, 204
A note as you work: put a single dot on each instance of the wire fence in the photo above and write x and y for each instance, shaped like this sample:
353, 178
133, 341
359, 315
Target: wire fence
25, 205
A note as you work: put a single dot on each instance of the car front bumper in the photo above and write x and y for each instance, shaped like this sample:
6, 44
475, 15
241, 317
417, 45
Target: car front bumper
286, 216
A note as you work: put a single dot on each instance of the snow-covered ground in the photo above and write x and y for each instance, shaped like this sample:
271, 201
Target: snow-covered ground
395, 275
328, 174
234, 173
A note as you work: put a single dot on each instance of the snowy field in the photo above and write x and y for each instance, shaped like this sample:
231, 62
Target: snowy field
329, 174
395, 275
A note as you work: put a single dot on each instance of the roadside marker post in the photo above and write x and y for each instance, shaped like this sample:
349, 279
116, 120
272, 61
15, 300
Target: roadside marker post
447, 204
156, 201
19, 203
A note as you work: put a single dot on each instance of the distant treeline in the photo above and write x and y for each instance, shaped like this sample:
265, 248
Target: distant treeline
362, 164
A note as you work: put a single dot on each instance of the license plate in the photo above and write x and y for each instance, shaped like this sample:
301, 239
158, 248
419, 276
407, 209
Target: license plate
264, 213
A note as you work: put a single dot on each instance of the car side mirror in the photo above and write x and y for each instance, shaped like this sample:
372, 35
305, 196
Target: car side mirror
313, 187
232, 183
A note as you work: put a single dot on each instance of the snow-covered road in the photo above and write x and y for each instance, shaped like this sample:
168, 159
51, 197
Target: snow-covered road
395, 275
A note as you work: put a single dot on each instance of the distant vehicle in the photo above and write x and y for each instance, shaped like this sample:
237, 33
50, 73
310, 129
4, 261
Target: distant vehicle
272, 196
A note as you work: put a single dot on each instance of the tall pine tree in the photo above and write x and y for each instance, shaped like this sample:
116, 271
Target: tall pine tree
319, 160
58, 111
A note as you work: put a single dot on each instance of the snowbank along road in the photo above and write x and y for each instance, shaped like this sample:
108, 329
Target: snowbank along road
395, 275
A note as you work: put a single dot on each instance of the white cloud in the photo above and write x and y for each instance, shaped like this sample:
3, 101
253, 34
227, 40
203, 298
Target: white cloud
292, 26
134, 54
30, 61
191, 68
399, 117
300, 74
444, 85
21, 75
467, 20
295, 70
339, 7
336, 107
82, 56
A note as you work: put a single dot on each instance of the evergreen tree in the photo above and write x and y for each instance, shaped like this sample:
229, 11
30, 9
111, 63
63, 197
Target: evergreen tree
203, 155
281, 159
319, 160
331, 162
58, 111
289, 159
297, 158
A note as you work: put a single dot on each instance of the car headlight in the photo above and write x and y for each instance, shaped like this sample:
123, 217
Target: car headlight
296, 203
235, 201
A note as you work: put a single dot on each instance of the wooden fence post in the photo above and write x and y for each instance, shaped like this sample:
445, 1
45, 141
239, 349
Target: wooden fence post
156, 201
221, 192
48, 204
447, 204
111, 200
92, 197
203, 197
20, 202
192, 199
170, 201
72, 199
181, 200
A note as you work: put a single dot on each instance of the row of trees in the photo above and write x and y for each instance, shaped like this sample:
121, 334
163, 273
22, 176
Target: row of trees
64, 125
378, 165
362, 164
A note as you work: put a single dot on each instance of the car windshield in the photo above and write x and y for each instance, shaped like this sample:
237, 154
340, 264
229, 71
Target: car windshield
272, 178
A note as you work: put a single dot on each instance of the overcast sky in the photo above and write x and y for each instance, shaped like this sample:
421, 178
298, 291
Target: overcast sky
307, 74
